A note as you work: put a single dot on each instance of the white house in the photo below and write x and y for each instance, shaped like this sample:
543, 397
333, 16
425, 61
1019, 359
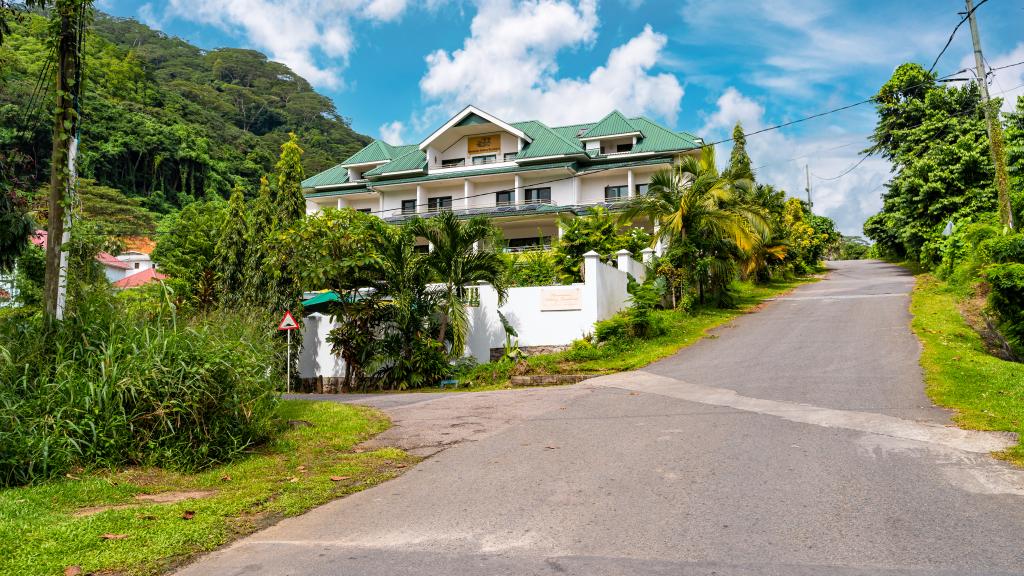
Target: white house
521, 174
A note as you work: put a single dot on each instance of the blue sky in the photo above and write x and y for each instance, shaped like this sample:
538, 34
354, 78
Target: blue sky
398, 69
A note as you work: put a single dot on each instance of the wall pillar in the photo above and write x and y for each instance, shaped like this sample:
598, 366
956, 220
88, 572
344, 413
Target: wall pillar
380, 204
467, 191
630, 188
648, 255
340, 204
421, 199
659, 248
622, 260
520, 193
576, 190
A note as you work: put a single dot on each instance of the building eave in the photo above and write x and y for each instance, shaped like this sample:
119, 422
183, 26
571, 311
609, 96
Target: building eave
466, 112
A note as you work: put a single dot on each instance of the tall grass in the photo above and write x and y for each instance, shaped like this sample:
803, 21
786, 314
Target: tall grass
119, 385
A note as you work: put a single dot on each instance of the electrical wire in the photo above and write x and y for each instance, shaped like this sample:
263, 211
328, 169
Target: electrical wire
952, 34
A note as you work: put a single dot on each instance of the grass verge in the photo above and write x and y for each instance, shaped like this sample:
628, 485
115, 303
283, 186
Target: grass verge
986, 392
49, 527
683, 329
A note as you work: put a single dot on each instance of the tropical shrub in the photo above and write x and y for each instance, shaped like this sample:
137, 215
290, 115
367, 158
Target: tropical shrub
532, 268
108, 388
1005, 249
637, 321
600, 232
1007, 299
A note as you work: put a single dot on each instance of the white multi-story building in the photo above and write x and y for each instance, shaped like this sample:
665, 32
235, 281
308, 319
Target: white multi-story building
521, 174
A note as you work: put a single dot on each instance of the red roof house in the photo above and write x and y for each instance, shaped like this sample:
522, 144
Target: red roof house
135, 280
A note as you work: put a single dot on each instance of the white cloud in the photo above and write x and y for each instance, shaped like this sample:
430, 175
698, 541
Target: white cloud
508, 66
733, 107
391, 132
1006, 83
313, 37
779, 159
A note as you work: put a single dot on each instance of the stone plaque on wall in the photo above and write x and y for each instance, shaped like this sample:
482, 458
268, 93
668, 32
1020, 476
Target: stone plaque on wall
561, 298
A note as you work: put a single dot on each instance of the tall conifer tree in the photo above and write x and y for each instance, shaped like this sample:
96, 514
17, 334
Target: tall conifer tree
291, 204
232, 248
739, 160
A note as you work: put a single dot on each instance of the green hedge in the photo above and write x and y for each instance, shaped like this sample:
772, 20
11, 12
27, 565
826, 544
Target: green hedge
111, 387
1007, 298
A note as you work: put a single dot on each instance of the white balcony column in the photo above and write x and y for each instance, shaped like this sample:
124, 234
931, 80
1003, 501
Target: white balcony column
629, 183
380, 204
467, 191
576, 190
421, 199
520, 193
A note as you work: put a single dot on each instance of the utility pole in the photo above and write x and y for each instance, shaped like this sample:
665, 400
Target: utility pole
807, 171
70, 15
995, 129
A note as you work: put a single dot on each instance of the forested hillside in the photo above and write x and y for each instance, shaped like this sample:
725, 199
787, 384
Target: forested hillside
164, 121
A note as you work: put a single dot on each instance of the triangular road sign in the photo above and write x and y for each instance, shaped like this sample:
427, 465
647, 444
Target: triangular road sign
288, 322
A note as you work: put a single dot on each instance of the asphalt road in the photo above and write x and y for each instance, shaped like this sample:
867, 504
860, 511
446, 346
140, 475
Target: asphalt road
795, 441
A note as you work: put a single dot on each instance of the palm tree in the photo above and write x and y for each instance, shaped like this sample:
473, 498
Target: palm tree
461, 255
693, 198
694, 204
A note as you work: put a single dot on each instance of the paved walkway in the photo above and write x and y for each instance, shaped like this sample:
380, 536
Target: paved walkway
797, 441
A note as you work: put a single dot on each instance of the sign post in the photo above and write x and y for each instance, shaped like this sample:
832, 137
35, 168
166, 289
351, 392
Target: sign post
288, 324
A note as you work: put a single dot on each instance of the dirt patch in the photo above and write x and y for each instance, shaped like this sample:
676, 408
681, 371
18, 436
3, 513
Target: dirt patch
172, 497
972, 310
143, 499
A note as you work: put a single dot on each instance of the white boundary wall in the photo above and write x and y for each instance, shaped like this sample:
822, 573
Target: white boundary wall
541, 315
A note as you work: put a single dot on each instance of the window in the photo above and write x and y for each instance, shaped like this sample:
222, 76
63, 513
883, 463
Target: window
421, 248
504, 198
408, 206
364, 210
615, 193
486, 159
641, 189
510, 156
623, 147
136, 265
531, 243
439, 203
538, 195
453, 162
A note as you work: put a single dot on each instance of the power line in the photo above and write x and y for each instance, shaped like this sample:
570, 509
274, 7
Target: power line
952, 34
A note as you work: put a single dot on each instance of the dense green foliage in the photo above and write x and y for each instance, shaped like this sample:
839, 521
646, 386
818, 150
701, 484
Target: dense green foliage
1007, 297
164, 121
402, 313
16, 225
940, 210
936, 138
600, 232
187, 252
108, 387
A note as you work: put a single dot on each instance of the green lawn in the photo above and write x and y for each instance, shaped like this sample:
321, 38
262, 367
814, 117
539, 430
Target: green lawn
683, 329
306, 466
986, 392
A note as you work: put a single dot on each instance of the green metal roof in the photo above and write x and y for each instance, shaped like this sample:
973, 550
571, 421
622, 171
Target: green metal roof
659, 139
546, 142
469, 173
356, 189
331, 177
376, 151
611, 125
413, 160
